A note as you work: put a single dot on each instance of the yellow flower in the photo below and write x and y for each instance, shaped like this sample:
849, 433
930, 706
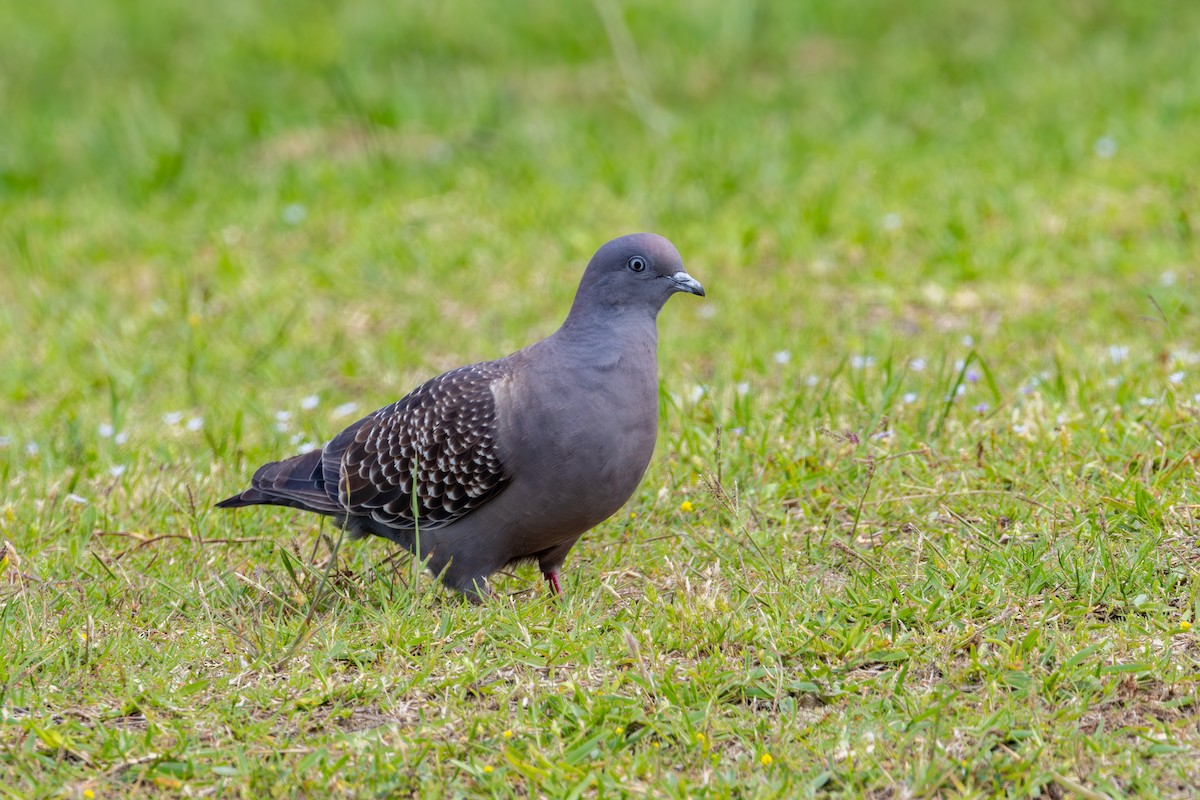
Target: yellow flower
686, 506
487, 769
1184, 625
88, 794
766, 759
700, 738
619, 730
507, 734
633, 515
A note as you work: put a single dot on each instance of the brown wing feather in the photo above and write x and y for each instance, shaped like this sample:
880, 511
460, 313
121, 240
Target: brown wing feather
433, 452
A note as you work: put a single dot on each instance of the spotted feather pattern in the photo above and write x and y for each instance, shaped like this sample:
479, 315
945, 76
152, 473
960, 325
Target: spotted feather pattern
438, 443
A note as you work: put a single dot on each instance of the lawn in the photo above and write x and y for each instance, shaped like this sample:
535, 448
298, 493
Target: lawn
922, 520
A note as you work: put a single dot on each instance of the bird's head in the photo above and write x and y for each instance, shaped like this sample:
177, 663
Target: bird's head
638, 271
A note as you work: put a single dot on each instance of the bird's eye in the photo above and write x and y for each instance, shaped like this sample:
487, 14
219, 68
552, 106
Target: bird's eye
637, 264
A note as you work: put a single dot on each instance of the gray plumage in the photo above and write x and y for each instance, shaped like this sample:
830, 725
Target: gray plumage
509, 460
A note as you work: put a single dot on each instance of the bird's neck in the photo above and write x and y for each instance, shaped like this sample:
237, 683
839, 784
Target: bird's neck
607, 321
614, 331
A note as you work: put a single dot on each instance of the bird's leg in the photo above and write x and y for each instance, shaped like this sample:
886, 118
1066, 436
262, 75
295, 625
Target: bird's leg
552, 579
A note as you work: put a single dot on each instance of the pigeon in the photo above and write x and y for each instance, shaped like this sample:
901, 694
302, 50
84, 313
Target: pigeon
506, 461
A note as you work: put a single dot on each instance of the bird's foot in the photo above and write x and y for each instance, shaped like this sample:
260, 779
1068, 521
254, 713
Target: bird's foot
477, 591
552, 579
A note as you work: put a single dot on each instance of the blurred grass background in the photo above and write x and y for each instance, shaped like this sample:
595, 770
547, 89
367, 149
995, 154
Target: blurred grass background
959, 230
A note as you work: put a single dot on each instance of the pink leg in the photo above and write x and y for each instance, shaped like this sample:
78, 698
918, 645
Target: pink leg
552, 579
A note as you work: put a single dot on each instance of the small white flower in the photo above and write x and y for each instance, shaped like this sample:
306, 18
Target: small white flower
1018, 428
743, 389
917, 364
74, 498
121, 438
811, 381
910, 398
303, 444
696, 393
1114, 382
345, 409
968, 341
106, 430
283, 416
1146, 402
707, 311
1185, 356
310, 402
5, 441
960, 390
783, 357
195, 423
1168, 278
31, 448
172, 417
294, 213
1176, 377
862, 362
1105, 147
892, 221
1117, 353
117, 470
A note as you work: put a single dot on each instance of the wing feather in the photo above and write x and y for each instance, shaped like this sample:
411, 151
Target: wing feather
431, 457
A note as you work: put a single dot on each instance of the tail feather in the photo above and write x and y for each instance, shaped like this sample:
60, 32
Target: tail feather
297, 482
250, 497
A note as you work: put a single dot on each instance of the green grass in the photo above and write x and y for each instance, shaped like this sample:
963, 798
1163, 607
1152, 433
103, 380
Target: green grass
935, 424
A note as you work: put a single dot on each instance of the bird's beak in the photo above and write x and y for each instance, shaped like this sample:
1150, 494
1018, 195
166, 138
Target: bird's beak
686, 283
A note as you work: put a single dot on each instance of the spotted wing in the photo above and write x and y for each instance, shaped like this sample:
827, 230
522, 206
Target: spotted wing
429, 458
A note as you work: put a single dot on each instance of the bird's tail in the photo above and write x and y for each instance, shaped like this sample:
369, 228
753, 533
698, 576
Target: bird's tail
250, 497
297, 482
